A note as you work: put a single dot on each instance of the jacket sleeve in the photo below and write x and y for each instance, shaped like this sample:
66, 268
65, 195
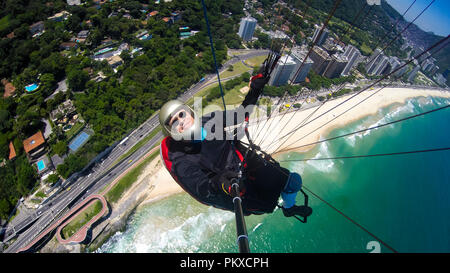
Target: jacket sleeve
196, 182
257, 84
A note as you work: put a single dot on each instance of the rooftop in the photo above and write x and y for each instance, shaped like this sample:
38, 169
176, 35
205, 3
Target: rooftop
9, 88
34, 141
12, 151
321, 52
114, 60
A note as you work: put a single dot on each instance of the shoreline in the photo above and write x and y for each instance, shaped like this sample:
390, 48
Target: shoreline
321, 124
165, 186
158, 184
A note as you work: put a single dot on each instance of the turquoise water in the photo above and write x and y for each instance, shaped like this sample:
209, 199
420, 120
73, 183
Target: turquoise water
41, 165
404, 200
31, 87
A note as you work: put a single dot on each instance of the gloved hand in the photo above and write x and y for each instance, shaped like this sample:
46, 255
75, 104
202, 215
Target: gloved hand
227, 179
258, 82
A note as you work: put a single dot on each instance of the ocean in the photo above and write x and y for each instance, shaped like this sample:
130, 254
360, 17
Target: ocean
404, 200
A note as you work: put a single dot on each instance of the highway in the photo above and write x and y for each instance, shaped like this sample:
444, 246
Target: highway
30, 226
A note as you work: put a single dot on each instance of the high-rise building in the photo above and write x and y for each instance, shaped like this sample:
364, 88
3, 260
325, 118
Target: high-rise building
393, 64
282, 71
336, 66
402, 70
300, 75
434, 69
440, 79
372, 61
413, 73
320, 59
382, 66
353, 55
247, 28
427, 65
319, 40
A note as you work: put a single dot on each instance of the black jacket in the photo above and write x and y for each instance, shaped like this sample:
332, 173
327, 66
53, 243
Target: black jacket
197, 167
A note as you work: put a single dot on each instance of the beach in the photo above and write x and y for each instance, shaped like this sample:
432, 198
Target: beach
166, 219
370, 102
321, 122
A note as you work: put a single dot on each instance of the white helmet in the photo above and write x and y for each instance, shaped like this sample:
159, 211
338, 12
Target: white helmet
166, 113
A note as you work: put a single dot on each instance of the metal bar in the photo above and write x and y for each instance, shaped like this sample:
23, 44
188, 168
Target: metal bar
241, 230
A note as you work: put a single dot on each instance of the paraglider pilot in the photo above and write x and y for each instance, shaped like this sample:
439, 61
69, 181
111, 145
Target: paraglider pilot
205, 167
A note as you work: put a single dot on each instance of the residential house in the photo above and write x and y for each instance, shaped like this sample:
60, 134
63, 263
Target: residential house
12, 151
34, 146
114, 61
9, 88
37, 28
68, 45
60, 16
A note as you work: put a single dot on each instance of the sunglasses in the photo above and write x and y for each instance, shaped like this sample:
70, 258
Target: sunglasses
173, 121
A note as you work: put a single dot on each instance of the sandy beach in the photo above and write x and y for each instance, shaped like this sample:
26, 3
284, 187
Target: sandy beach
165, 186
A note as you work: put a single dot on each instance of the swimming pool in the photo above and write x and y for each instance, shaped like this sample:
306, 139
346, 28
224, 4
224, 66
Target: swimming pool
145, 37
31, 87
40, 165
103, 51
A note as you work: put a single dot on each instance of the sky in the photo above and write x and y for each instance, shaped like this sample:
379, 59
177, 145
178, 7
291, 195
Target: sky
436, 18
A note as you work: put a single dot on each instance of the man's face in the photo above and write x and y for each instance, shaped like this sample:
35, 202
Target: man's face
181, 121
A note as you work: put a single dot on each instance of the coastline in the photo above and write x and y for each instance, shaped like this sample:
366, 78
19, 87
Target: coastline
370, 104
165, 186
155, 182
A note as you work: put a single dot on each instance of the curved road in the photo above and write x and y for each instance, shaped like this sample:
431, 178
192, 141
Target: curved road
27, 227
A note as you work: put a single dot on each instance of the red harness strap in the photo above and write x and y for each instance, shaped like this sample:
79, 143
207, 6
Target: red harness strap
164, 152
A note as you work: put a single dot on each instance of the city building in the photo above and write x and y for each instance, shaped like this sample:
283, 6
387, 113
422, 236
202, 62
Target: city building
413, 73
375, 54
319, 39
393, 64
353, 56
377, 63
427, 65
282, 71
320, 59
434, 69
382, 66
440, 79
247, 28
299, 56
402, 70
335, 66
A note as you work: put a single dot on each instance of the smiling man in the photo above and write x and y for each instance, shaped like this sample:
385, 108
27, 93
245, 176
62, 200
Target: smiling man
204, 165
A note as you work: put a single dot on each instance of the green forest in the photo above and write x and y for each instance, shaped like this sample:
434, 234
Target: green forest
111, 107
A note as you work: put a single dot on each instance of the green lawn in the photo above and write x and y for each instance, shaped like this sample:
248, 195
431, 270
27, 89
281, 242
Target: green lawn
238, 69
79, 221
114, 194
4, 23
256, 61
232, 97
77, 127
